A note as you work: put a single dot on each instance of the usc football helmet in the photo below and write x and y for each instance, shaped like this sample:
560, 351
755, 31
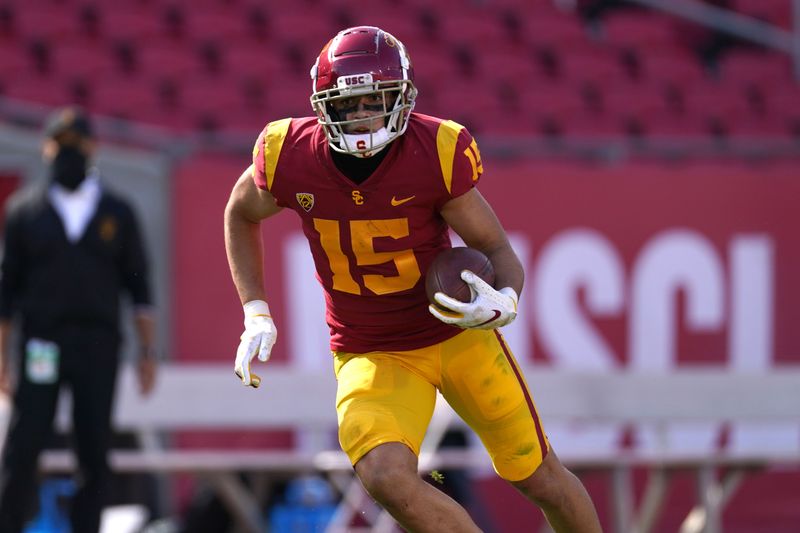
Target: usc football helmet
358, 62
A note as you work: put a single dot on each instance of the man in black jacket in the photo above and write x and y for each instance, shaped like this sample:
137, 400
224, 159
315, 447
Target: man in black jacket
70, 249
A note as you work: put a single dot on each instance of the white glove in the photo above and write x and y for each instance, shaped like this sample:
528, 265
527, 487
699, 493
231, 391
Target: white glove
258, 338
489, 308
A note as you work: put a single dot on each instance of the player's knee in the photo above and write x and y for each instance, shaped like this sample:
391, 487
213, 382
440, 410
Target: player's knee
387, 471
547, 485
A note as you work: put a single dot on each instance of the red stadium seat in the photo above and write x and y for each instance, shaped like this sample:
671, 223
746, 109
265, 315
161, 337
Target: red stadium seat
601, 125
201, 94
675, 65
249, 59
767, 126
553, 101
719, 100
398, 19
222, 24
777, 12
121, 23
481, 28
55, 21
166, 57
508, 63
749, 67
123, 96
294, 25
13, 60
288, 99
434, 64
635, 100
588, 63
782, 102
38, 89
672, 124
83, 58
553, 29
504, 124
639, 30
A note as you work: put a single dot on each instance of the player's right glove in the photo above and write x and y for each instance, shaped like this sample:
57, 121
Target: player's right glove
489, 308
259, 337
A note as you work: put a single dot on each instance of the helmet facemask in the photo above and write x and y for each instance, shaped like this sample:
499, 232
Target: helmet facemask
391, 101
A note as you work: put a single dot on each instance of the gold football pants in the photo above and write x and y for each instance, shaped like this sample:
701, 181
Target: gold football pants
390, 396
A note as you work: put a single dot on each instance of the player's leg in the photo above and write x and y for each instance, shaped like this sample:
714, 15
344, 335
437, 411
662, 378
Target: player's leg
389, 474
91, 371
484, 385
34, 406
561, 497
384, 409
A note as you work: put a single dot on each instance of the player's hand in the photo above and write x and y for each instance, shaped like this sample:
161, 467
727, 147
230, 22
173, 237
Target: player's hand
489, 308
258, 338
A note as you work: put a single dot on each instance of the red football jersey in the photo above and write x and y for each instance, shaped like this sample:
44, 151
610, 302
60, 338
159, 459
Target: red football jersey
372, 242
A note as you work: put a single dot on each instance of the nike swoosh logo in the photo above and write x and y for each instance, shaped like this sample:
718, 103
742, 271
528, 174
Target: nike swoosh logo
396, 202
496, 315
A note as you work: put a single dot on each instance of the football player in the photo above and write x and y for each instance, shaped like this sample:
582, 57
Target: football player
376, 186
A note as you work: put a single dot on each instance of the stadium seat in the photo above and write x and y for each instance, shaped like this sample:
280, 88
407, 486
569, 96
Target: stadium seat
588, 63
591, 125
204, 95
158, 57
674, 125
782, 104
720, 100
56, 21
123, 96
674, 65
13, 59
752, 67
553, 29
84, 58
434, 64
508, 63
38, 89
778, 12
119, 23
294, 25
251, 59
767, 126
481, 28
224, 25
634, 100
639, 30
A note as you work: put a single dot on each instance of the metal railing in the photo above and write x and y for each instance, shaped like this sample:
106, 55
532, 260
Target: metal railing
737, 24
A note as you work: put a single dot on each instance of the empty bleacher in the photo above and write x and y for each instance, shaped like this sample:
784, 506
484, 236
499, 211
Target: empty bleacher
504, 67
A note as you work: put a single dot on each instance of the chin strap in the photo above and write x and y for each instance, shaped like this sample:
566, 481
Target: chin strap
349, 141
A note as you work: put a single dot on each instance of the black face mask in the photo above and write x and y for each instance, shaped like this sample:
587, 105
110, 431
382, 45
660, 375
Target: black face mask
68, 168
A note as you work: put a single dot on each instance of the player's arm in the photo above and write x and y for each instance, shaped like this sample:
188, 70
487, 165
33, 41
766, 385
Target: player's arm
247, 206
471, 217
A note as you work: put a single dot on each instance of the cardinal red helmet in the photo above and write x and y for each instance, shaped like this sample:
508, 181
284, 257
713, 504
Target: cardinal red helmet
359, 61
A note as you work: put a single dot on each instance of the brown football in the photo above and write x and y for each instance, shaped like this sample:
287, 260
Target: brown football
444, 274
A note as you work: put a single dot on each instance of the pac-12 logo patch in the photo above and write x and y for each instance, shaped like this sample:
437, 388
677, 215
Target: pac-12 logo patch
306, 200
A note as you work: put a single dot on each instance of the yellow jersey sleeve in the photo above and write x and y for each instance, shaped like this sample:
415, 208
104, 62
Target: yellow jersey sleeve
267, 150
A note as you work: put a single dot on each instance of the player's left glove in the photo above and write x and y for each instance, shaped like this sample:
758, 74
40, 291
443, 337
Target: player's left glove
489, 308
259, 337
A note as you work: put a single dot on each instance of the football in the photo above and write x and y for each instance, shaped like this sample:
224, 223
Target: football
444, 274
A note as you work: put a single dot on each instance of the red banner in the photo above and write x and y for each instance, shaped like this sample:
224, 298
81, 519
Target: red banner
642, 265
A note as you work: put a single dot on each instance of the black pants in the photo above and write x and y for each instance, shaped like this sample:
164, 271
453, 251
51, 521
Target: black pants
88, 365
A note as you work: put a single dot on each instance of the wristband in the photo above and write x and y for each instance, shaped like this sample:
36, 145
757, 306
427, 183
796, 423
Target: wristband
256, 308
